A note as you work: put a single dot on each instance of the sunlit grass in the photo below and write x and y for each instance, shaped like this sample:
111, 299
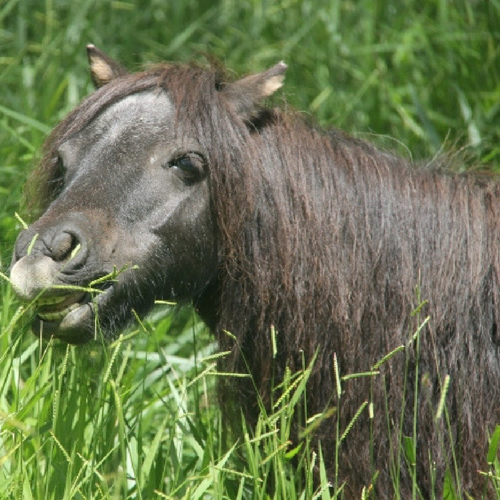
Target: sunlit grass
137, 420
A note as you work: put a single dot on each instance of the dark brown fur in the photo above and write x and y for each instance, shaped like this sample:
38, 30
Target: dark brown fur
326, 238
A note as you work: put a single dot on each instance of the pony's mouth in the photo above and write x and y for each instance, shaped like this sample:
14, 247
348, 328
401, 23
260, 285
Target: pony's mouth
55, 309
69, 317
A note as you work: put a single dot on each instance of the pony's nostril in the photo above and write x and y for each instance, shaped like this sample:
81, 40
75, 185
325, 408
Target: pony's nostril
63, 245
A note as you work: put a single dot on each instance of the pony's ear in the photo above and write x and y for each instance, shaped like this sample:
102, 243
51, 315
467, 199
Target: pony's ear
246, 94
103, 69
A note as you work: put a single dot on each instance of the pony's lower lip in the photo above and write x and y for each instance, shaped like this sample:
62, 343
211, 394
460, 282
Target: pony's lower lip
77, 317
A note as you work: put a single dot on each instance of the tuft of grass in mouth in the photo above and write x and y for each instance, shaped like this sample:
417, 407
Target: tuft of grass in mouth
56, 308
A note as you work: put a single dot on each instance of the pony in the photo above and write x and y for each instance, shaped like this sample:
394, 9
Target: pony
179, 183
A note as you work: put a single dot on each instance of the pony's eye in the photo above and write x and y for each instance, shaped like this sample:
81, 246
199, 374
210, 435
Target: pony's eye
189, 166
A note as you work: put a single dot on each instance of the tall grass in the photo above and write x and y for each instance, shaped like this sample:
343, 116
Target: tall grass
140, 418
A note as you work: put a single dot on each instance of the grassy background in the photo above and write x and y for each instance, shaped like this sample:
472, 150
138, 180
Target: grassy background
141, 417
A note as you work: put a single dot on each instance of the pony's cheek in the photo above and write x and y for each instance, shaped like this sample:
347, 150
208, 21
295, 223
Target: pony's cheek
181, 214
